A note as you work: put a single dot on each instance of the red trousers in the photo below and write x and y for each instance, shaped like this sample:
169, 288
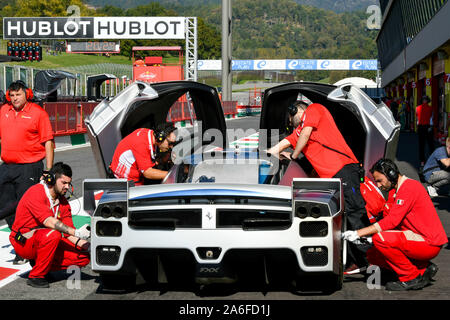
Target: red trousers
50, 251
404, 253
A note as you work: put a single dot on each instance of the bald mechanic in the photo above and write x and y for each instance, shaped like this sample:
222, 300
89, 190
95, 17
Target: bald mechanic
26, 139
317, 136
409, 235
135, 156
43, 230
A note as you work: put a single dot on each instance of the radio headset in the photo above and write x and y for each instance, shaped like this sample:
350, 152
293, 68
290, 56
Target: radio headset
292, 109
28, 91
50, 180
162, 131
389, 169
160, 135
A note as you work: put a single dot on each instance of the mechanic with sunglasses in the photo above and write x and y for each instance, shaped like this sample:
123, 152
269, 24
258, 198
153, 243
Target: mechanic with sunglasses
135, 157
318, 138
43, 230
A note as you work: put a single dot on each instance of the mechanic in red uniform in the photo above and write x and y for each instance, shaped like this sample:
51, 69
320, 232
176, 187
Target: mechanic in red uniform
424, 114
26, 139
410, 233
134, 157
317, 136
43, 230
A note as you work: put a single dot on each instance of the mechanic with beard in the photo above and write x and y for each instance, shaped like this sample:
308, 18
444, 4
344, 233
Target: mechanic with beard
26, 139
43, 230
410, 233
135, 157
317, 136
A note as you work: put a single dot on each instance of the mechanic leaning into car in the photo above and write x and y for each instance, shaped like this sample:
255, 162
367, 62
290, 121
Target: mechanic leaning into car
135, 156
26, 139
43, 230
317, 136
410, 233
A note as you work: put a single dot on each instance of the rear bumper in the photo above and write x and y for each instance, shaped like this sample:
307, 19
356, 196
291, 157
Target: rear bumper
215, 247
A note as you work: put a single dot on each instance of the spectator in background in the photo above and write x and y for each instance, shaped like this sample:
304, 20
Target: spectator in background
437, 169
388, 101
402, 113
408, 104
26, 139
394, 108
424, 114
139, 62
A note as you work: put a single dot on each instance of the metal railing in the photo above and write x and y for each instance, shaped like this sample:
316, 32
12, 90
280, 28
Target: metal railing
67, 118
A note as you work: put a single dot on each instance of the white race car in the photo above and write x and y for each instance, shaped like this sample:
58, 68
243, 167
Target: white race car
224, 214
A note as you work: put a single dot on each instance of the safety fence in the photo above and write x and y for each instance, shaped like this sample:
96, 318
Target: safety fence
182, 111
67, 118
254, 104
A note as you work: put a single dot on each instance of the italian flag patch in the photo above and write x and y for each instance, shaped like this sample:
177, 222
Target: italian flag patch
400, 202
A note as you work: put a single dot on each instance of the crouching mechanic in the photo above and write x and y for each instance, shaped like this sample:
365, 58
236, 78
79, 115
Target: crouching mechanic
43, 230
135, 156
410, 233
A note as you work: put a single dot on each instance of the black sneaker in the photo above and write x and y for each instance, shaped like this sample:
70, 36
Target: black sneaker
38, 283
414, 284
18, 260
430, 272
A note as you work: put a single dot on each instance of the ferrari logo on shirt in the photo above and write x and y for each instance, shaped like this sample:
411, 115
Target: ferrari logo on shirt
400, 202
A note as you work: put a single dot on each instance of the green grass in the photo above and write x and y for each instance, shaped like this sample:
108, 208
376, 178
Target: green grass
71, 60
325, 80
77, 59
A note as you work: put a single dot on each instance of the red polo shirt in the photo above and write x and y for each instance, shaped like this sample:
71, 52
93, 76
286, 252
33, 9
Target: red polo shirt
23, 135
424, 112
134, 154
411, 209
326, 162
34, 208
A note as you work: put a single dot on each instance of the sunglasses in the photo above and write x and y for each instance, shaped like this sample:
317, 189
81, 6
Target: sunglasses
292, 110
171, 143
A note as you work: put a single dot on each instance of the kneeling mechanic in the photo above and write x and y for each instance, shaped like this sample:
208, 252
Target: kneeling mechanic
43, 229
410, 233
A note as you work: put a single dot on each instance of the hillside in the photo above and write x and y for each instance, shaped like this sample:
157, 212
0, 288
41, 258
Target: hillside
263, 29
334, 5
283, 29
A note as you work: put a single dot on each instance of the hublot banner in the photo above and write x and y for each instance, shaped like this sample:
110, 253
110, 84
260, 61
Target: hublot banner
94, 28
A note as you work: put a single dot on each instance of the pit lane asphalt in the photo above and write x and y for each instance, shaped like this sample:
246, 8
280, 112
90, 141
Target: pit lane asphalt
354, 288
